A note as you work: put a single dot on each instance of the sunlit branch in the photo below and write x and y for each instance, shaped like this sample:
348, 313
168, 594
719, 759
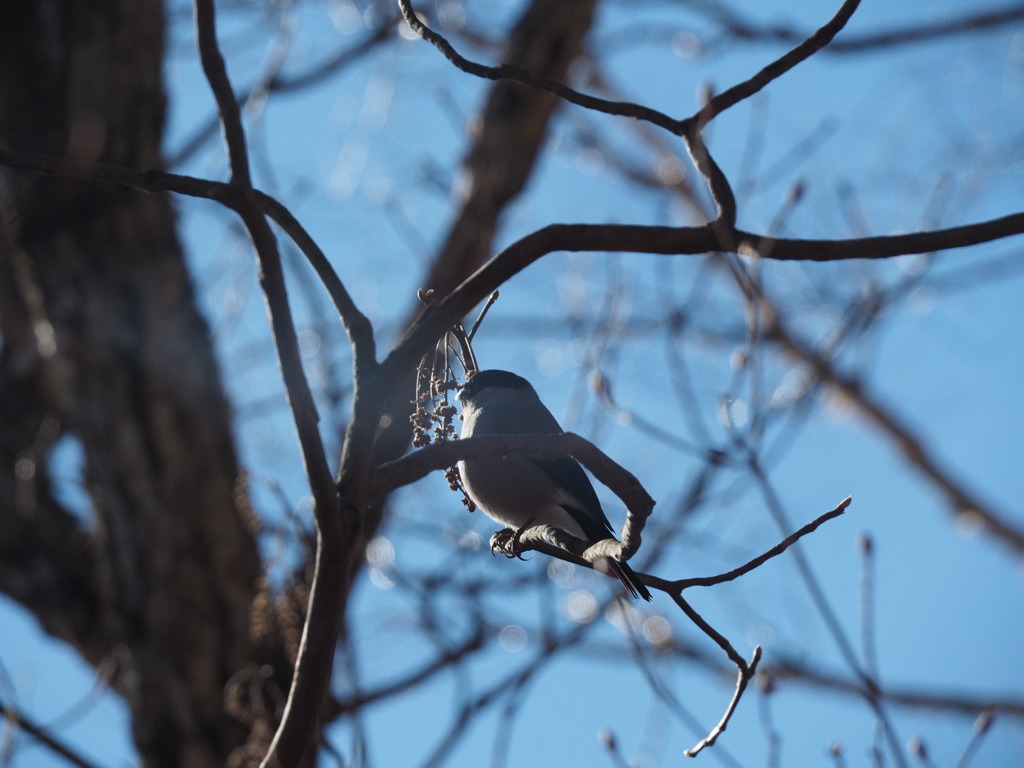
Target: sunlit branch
714, 176
743, 677
708, 630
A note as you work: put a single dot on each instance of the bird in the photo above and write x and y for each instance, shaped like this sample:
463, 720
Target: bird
517, 491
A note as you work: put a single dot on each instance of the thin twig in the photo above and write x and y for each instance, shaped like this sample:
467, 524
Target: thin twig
953, 26
278, 83
509, 72
828, 615
20, 721
708, 630
677, 127
783, 64
757, 562
867, 605
483, 313
745, 674
690, 128
981, 726
357, 325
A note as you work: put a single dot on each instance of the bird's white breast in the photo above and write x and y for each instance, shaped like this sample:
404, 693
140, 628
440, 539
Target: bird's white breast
512, 491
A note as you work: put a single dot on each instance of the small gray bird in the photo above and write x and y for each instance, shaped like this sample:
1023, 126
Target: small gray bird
518, 491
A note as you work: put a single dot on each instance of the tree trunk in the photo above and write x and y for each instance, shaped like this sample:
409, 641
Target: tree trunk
103, 344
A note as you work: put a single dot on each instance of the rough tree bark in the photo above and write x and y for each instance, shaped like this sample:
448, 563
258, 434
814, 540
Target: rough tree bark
103, 344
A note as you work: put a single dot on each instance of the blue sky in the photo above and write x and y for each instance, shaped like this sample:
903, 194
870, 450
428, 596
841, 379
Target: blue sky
908, 138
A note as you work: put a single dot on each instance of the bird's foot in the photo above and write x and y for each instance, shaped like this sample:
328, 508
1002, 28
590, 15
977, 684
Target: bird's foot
507, 541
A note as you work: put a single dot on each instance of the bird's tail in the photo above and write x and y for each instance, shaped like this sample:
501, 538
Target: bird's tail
629, 579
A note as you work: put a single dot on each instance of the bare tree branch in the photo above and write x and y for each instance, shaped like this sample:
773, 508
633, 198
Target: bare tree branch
20, 721
689, 129
433, 666
780, 66
340, 505
507, 71
624, 238
671, 241
278, 83
745, 674
757, 562
311, 679
963, 503
153, 180
678, 127
971, 704
907, 34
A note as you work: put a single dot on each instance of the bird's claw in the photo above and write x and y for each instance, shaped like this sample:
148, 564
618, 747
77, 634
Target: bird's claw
500, 540
507, 541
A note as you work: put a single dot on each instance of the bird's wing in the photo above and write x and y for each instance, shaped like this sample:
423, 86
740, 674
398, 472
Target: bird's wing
581, 500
